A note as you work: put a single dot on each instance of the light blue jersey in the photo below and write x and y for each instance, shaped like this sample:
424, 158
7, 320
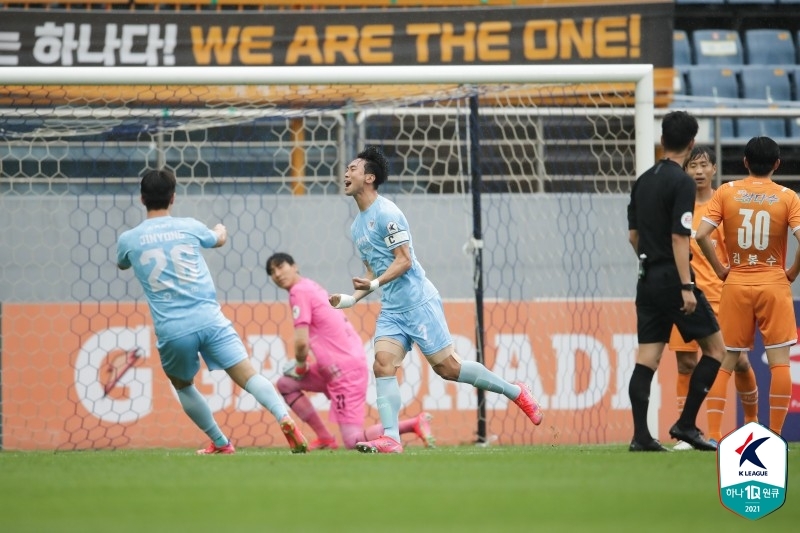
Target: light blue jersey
165, 255
376, 232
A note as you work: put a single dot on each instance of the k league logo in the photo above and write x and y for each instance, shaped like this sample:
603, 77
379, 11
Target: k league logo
751, 465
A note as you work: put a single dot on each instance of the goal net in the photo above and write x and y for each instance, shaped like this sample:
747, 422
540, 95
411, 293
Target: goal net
513, 179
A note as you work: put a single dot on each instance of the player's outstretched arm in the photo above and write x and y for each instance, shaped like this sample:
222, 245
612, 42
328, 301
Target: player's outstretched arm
222, 235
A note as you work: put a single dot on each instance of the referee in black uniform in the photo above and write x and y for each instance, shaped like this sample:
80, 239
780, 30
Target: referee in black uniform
660, 226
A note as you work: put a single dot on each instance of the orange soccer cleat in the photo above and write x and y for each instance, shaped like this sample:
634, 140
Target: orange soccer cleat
212, 449
528, 404
297, 442
382, 444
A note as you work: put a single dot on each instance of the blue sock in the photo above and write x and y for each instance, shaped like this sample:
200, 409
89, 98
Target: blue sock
265, 394
197, 408
481, 377
389, 405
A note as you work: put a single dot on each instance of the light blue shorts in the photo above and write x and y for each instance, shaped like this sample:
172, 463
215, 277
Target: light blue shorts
424, 325
220, 347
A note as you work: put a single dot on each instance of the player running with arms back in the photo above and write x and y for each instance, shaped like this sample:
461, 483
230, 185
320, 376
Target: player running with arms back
164, 252
411, 308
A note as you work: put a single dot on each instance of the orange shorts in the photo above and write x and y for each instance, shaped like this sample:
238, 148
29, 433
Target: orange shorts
770, 306
676, 342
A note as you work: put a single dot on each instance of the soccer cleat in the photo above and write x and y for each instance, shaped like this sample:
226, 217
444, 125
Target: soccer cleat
652, 446
382, 444
682, 446
212, 449
323, 444
422, 428
297, 442
693, 437
528, 403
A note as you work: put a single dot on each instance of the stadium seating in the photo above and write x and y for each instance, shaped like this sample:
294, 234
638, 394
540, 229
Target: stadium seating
681, 49
714, 87
679, 86
794, 123
763, 86
717, 47
769, 47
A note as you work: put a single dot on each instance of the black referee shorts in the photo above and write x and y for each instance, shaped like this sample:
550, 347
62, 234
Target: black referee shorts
658, 307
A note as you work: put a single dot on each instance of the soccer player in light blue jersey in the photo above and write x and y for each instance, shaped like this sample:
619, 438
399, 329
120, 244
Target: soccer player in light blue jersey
411, 308
164, 252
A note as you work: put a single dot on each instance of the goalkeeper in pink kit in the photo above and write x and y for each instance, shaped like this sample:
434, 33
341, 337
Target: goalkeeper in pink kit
329, 358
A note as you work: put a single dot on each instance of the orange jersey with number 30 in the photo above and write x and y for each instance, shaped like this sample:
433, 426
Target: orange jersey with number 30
755, 214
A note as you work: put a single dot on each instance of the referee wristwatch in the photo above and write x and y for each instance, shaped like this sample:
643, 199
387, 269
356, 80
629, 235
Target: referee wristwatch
688, 286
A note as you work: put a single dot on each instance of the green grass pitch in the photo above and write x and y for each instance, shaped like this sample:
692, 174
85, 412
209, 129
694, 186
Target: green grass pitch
458, 489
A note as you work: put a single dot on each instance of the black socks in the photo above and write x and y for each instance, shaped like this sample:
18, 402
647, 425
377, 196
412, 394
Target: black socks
639, 392
702, 379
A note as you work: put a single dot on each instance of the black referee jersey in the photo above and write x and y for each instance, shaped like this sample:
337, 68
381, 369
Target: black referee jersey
662, 204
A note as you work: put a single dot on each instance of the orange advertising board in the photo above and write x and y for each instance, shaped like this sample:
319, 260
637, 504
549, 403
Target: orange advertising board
71, 378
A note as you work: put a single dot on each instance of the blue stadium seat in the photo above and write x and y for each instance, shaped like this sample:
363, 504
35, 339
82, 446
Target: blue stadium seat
712, 86
751, 1
679, 83
717, 47
794, 78
681, 49
764, 86
769, 47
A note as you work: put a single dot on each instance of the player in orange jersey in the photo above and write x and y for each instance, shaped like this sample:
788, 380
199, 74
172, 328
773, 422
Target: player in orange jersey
756, 213
702, 166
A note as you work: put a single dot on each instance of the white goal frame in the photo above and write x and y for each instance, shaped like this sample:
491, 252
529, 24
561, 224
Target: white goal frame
640, 74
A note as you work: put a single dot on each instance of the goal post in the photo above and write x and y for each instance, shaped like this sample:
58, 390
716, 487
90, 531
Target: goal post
640, 74
513, 178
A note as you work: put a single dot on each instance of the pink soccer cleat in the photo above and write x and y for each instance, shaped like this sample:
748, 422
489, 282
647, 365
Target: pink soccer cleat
382, 444
297, 442
323, 444
212, 449
528, 403
422, 428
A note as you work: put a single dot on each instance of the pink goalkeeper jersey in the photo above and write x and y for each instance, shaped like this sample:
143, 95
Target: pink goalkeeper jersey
333, 340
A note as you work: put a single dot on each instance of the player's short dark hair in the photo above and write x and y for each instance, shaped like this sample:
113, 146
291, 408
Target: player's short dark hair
157, 188
761, 154
277, 259
700, 152
375, 163
678, 129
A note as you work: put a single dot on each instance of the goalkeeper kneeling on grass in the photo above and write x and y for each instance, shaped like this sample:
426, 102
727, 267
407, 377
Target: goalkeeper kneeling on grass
339, 367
